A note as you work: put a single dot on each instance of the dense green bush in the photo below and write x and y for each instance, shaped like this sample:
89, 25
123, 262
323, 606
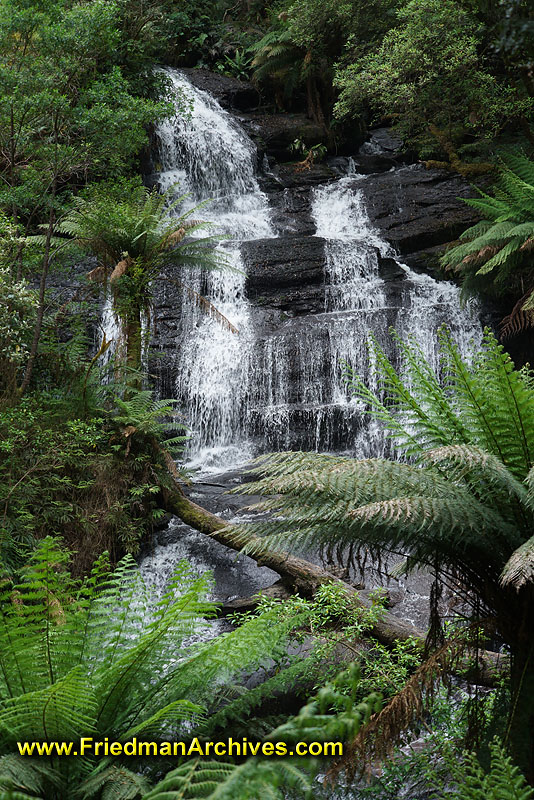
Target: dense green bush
96, 479
427, 74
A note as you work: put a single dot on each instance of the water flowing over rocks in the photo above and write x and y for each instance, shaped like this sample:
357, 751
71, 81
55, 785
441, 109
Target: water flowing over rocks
316, 277
316, 272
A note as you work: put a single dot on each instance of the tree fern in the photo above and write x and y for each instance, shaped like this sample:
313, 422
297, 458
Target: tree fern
279, 60
494, 255
459, 495
133, 240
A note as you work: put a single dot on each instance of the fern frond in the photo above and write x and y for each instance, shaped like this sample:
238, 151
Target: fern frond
519, 569
493, 254
26, 775
377, 738
114, 783
502, 781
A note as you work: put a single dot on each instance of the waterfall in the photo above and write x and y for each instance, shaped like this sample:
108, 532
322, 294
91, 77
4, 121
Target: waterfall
205, 154
354, 288
282, 385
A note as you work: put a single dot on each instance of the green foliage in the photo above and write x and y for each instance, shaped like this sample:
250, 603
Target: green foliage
17, 312
68, 109
333, 714
332, 622
141, 226
495, 255
315, 153
95, 479
472, 440
428, 70
503, 780
143, 417
133, 238
237, 66
193, 31
102, 658
306, 38
278, 61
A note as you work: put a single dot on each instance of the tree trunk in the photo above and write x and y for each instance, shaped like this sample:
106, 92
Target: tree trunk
305, 577
42, 291
133, 340
521, 724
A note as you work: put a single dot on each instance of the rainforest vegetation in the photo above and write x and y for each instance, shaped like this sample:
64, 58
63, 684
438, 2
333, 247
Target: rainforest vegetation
91, 454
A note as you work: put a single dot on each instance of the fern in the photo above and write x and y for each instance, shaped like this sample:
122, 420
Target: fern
100, 658
333, 714
133, 240
494, 254
459, 496
503, 780
462, 497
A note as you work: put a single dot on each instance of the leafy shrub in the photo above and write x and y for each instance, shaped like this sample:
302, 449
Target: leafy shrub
18, 304
95, 480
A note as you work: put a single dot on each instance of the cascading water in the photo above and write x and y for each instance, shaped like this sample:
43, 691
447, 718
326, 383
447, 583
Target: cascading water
206, 155
302, 381
284, 388
280, 382
360, 301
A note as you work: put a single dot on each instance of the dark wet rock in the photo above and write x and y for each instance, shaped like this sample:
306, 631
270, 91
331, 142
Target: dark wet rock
416, 208
231, 93
382, 141
165, 323
275, 133
390, 270
286, 273
277, 177
340, 165
69, 289
389, 597
291, 212
293, 261
291, 176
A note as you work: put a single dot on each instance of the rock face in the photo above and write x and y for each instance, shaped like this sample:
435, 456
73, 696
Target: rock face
275, 133
416, 208
300, 316
286, 273
231, 93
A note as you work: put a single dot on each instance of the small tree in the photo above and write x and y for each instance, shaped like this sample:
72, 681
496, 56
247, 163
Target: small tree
133, 238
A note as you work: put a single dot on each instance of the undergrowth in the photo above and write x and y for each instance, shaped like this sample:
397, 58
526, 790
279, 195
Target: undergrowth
94, 479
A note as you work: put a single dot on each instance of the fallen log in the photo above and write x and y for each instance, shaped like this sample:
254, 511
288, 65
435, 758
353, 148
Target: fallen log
304, 577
